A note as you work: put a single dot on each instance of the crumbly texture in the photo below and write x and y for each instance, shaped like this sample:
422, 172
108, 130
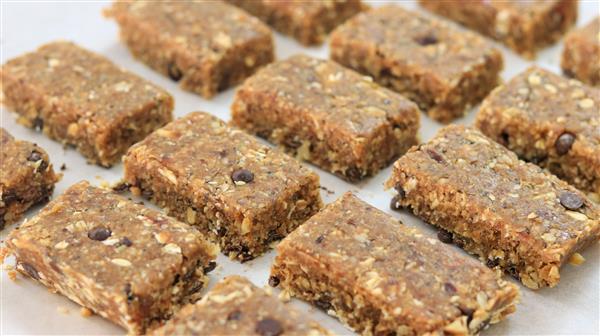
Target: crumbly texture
435, 63
242, 194
512, 214
127, 263
236, 307
524, 26
82, 99
381, 277
535, 112
324, 113
309, 22
581, 55
206, 46
27, 177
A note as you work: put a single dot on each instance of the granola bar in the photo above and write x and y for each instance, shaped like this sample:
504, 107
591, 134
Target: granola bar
438, 65
512, 214
127, 263
240, 193
581, 55
236, 307
324, 113
381, 277
82, 99
548, 120
524, 26
309, 22
27, 177
206, 46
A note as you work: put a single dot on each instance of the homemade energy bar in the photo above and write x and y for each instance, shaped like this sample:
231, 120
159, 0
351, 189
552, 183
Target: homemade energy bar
440, 66
524, 26
581, 55
236, 307
512, 214
549, 120
324, 113
309, 22
207, 46
27, 177
240, 193
82, 99
127, 263
383, 278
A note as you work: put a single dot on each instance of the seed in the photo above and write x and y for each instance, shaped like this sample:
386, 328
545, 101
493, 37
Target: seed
268, 327
570, 200
99, 233
564, 142
242, 176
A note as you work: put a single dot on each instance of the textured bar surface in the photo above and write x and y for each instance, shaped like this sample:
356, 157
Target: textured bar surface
524, 26
236, 307
309, 22
27, 177
581, 56
242, 194
551, 121
443, 68
381, 277
127, 263
207, 46
512, 214
324, 113
82, 99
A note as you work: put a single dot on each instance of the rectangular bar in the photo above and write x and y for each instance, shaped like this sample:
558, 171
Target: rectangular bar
510, 213
27, 177
127, 263
581, 53
524, 26
324, 113
207, 46
236, 307
82, 99
381, 277
438, 65
548, 120
309, 22
240, 193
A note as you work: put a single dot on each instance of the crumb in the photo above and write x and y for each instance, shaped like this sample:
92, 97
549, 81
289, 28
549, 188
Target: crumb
86, 312
12, 275
63, 167
284, 296
62, 310
328, 191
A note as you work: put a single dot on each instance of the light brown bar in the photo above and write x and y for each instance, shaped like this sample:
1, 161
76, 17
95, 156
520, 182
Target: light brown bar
581, 54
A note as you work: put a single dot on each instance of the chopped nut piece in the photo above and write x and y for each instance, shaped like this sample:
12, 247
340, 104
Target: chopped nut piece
576, 259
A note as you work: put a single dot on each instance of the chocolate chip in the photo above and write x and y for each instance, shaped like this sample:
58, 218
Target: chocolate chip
63, 167
319, 239
504, 137
512, 270
242, 175
269, 327
395, 202
121, 187
570, 200
426, 40
211, 266
31, 271
174, 72
491, 263
38, 123
563, 143
323, 304
353, 173
435, 155
221, 231
449, 288
234, 315
273, 281
445, 236
99, 233
34, 156
125, 241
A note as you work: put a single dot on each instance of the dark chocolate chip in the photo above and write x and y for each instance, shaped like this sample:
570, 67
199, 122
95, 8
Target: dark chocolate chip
426, 40
34, 156
211, 266
512, 270
242, 175
353, 173
564, 142
435, 155
570, 200
323, 304
99, 233
38, 123
319, 239
31, 271
121, 187
221, 231
395, 202
234, 315
491, 263
269, 327
504, 138
174, 72
445, 236
125, 241
63, 167
449, 288
273, 281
